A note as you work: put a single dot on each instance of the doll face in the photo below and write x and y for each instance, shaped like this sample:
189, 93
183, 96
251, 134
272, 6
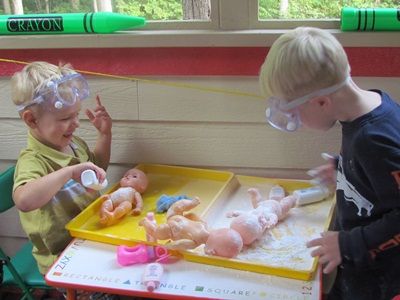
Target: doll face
136, 179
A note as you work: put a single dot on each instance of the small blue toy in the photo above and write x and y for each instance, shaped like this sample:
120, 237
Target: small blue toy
165, 201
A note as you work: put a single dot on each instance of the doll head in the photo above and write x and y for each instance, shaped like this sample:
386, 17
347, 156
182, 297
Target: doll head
223, 242
248, 226
136, 179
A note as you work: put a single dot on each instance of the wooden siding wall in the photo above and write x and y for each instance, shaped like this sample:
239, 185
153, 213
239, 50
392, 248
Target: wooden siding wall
155, 123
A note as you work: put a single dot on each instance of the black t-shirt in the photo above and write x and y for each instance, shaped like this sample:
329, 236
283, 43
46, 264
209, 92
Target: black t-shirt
368, 190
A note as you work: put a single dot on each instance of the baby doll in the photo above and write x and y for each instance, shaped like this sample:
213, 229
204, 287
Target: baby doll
126, 199
188, 231
185, 229
264, 215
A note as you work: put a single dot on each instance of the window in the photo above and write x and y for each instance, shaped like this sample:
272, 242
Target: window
171, 13
208, 14
313, 9
150, 9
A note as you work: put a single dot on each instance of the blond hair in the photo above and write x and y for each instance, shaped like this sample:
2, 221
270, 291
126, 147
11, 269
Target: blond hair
27, 82
302, 61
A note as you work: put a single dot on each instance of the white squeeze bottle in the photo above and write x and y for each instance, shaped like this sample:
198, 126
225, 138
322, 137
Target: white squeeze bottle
310, 195
152, 276
89, 179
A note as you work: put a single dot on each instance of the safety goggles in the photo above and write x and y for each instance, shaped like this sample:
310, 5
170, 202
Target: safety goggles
285, 116
60, 93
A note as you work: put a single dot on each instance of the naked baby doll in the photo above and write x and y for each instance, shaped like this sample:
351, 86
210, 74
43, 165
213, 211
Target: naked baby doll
126, 199
264, 215
187, 231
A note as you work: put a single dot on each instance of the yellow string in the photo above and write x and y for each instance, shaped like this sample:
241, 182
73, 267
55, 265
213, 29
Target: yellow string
159, 82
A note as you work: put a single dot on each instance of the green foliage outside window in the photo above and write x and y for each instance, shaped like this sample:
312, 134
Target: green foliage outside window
172, 9
315, 9
151, 9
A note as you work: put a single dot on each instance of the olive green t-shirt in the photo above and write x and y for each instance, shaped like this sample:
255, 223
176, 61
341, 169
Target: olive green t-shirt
45, 226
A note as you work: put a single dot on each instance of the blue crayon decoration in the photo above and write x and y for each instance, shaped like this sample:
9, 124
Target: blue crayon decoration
75, 23
165, 201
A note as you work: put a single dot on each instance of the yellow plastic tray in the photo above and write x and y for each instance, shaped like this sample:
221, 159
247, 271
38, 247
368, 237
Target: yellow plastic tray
169, 180
282, 250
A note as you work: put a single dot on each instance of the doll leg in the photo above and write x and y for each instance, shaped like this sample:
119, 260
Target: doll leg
158, 232
286, 204
105, 211
122, 209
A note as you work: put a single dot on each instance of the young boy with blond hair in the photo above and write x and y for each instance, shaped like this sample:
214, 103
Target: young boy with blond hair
47, 188
307, 76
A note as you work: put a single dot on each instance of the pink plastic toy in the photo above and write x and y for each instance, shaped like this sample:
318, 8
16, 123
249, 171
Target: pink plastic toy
141, 253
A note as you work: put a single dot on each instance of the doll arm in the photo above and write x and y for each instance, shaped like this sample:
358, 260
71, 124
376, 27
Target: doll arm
138, 201
268, 221
255, 196
181, 206
182, 244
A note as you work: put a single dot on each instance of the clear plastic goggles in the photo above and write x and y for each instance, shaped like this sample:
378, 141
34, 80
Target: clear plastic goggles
60, 93
284, 115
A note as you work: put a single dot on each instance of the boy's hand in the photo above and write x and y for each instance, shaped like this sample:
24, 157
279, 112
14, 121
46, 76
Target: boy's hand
78, 169
325, 174
327, 249
100, 118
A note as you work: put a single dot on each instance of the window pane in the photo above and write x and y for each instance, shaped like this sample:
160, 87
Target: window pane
165, 9
150, 9
314, 9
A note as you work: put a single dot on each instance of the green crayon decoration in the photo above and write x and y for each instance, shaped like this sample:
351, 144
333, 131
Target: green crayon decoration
74, 23
370, 19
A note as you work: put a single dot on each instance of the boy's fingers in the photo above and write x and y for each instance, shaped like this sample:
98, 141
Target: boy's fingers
90, 114
317, 181
314, 242
98, 100
327, 156
329, 267
312, 172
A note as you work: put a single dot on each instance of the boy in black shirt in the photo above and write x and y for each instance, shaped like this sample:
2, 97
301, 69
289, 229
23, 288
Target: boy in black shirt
308, 74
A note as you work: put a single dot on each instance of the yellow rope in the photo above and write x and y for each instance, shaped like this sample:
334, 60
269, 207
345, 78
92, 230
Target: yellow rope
159, 82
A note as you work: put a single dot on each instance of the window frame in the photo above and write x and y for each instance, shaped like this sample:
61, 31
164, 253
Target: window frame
238, 15
234, 23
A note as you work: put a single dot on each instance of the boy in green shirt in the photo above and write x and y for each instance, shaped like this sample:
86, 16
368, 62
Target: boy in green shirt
47, 188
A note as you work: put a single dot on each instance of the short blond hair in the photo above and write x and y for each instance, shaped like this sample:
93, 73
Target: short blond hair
27, 82
301, 61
